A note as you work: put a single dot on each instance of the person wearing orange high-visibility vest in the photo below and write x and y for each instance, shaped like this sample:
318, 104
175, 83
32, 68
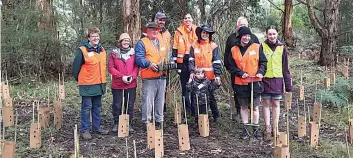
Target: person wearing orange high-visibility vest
204, 55
160, 18
89, 69
150, 52
248, 62
184, 37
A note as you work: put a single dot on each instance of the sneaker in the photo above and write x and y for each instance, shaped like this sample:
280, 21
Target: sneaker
86, 135
256, 132
101, 131
245, 134
131, 129
115, 128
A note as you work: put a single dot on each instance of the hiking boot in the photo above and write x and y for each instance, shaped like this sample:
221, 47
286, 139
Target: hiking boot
215, 120
158, 125
256, 132
115, 128
101, 132
86, 135
245, 134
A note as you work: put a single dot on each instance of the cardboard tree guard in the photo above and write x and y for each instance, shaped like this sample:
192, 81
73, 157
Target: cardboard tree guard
159, 146
204, 127
314, 134
183, 135
123, 128
35, 135
301, 126
150, 135
44, 116
8, 149
8, 116
57, 114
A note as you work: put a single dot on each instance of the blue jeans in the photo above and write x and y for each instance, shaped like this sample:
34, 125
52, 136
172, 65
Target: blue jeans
94, 104
153, 93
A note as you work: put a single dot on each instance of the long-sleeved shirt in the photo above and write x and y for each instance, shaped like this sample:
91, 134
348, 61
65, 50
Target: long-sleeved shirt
231, 41
216, 61
244, 90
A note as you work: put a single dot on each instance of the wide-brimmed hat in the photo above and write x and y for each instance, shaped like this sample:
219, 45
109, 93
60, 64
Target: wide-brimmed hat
151, 25
206, 28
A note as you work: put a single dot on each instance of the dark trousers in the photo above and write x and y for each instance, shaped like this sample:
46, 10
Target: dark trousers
88, 104
202, 107
237, 106
184, 78
118, 101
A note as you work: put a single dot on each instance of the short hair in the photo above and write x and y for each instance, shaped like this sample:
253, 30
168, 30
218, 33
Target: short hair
92, 30
240, 19
184, 15
272, 27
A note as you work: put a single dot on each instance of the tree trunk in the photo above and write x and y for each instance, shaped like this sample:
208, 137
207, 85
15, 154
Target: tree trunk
131, 18
326, 30
46, 20
287, 23
182, 8
202, 4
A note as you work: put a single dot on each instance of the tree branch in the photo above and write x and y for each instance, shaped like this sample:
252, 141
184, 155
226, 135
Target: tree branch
314, 21
305, 3
278, 8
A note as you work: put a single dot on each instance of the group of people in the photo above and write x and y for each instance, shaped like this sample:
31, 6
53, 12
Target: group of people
258, 69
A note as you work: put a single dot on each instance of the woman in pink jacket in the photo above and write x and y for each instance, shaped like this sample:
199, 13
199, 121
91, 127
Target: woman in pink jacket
122, 67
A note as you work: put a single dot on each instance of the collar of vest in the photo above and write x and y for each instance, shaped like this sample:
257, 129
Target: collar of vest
278, 43
204, 42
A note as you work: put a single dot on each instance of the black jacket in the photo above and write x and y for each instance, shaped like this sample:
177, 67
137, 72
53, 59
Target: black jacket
231, 41
200, 88
244, 90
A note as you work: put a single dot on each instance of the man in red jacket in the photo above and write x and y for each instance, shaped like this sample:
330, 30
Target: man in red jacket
122, 67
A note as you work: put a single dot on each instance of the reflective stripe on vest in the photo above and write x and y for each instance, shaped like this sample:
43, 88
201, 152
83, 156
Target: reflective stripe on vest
203, 53
154, 55
185, 39
248, 63
93, 71
274, 64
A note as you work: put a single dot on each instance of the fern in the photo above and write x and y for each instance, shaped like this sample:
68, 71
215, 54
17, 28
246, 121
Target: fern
338, 94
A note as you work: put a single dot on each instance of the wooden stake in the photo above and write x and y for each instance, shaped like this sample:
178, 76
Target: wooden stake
123, 103
347, 145
309, 113
135, 153
305, 112
287, 128
186, 119
127, 149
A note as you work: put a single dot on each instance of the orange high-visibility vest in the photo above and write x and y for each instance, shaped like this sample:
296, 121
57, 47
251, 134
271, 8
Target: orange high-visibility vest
166, 37
249, 63
203, 57
154, 55
93, 71
183, 41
